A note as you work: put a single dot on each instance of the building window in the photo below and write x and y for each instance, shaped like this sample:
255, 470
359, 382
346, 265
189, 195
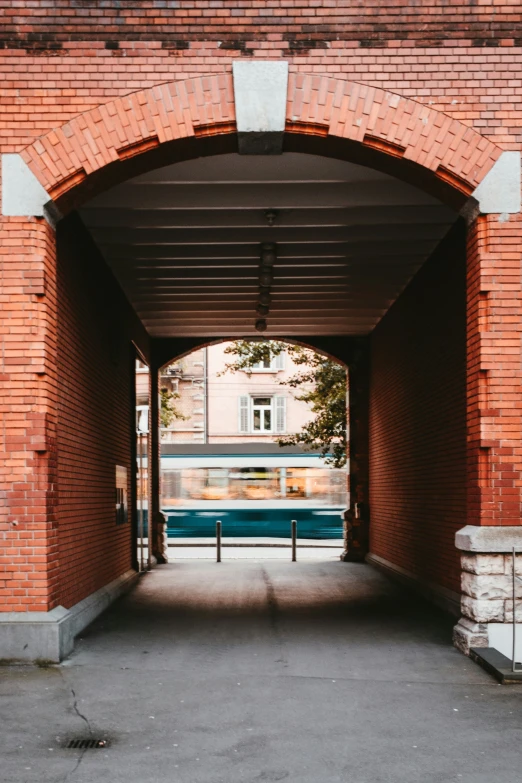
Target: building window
262, 415
274, 364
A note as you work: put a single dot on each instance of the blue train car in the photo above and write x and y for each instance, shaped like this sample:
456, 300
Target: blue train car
252, 495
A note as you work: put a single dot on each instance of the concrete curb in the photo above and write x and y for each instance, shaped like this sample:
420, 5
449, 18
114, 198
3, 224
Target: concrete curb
28, 637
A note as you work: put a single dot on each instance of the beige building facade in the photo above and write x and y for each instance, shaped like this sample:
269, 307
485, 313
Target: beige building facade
231, 407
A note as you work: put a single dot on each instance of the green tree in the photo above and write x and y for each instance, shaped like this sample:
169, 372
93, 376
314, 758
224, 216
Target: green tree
320, 382
168, 410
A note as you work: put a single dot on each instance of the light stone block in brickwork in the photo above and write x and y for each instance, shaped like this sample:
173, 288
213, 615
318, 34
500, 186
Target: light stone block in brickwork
499, 191
483, 564
22, 193
260, 89
483, 611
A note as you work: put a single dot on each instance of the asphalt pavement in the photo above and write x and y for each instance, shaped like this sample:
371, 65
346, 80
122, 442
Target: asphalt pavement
252, 671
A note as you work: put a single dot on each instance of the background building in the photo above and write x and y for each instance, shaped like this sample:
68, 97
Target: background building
231, 407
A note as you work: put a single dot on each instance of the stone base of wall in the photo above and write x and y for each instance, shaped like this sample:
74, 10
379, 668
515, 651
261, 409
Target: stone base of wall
487, 585
29, 637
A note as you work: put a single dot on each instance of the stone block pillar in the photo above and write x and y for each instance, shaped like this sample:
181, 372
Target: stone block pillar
487, 586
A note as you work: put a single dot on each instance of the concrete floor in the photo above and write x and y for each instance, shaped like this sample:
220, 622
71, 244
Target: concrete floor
250, 671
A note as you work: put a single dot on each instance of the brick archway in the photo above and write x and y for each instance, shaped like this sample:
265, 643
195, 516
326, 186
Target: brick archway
324, 115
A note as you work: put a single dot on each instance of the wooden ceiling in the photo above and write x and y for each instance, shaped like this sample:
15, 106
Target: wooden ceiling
184, 242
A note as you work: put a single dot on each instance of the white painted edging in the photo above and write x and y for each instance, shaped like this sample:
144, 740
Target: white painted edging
49, 636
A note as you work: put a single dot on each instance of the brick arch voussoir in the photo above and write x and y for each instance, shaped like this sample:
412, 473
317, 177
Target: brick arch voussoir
392, 126
126, 136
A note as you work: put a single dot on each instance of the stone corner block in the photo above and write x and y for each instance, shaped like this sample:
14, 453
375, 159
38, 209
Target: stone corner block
22, 194
491, 539
483, 610
487, 587
467, 635
500, 190
483, 564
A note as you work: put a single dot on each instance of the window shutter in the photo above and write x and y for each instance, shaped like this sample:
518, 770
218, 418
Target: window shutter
279, 362
243, 414
280, 414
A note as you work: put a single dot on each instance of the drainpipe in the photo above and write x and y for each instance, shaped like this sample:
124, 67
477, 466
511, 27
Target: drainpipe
205, 393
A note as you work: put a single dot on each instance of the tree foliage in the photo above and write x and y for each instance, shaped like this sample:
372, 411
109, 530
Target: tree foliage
320, 382
168, 410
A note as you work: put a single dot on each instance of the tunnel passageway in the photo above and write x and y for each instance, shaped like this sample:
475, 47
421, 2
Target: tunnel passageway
272, 618
263, 671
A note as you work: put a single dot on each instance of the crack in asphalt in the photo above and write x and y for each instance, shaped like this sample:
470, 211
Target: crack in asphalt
75, 707
79, 760
273, 612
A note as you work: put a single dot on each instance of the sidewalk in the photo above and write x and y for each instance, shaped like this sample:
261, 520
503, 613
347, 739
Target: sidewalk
254, 549
251, 672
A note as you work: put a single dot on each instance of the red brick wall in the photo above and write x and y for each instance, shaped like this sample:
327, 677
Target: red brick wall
61, 58
95, 419
418, 420
494, 370
245, 24
28, 532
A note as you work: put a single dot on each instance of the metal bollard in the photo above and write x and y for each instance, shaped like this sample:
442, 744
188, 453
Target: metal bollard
294, 540
218, 541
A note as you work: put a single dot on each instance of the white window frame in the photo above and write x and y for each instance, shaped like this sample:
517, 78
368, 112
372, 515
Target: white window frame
246, 414
262, 408
277, 363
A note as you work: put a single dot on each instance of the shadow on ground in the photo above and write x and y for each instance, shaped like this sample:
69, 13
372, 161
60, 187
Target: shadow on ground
308, 672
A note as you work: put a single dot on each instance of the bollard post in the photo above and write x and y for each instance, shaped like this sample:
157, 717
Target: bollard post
218, 541
294, 540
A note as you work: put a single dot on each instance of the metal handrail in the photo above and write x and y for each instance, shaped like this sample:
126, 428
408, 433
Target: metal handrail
514, 581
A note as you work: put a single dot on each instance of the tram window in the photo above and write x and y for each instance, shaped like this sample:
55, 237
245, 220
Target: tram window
323, 486
217, 477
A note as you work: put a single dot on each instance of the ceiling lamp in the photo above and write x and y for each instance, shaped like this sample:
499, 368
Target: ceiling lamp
268, 257
271, 216
266, 276
268, 254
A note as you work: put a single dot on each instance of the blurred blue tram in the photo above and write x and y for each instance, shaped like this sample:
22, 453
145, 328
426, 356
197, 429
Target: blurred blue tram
252, 494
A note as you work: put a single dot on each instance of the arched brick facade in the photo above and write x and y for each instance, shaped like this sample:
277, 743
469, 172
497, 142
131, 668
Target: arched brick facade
382, 124
441, 149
